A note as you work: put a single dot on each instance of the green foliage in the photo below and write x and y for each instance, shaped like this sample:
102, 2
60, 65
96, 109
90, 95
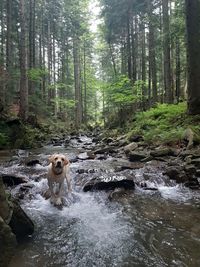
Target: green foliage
4, 140
164, 123
36, 74
120, 91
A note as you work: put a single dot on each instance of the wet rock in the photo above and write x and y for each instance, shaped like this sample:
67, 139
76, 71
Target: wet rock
137, 156
190, 169
32, 162
136, 138
196, 162
20, 223
162, 152
8, 243
129, 166
86, 155
5, 206
46, 194
107, 149
101, 157
11, 180
198, 172
73, 160
109, 183
117, 194
176, 174
130, 147
192, 183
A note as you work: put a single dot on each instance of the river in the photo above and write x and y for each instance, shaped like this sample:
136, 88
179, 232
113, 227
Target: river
141, 228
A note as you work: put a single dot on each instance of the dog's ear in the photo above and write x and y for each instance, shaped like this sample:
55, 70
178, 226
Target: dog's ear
51, 159
66, 161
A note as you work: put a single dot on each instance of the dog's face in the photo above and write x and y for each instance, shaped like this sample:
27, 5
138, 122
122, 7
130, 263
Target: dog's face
58, 161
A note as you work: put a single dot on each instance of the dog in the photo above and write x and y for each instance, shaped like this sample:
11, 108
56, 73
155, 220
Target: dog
58, 171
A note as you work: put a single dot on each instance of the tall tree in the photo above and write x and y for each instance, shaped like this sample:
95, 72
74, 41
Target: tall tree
23, 64
166, 51
193, 54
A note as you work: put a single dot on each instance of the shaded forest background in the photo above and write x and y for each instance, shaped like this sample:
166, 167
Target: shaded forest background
52, 65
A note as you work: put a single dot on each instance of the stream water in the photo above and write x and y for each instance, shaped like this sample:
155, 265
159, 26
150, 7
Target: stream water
142, 228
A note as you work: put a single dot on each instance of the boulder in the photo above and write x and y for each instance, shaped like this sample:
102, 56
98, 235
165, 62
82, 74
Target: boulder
20, 223
129, 166
8, 243
196, 162
137, 156
109, 183
86, 155
162, 152
177, 174
11, 180
5, 206
31, 162
130, 147
107, 149
136, 138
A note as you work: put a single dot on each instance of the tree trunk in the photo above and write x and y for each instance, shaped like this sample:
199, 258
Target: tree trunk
152, 53
167, 57
78, 100
112, 59
178, 70
193, 55
23, 64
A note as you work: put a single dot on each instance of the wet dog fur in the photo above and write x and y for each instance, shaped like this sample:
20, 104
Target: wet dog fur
58, 171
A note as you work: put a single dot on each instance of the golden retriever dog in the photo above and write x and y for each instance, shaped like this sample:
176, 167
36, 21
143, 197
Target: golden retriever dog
58, 171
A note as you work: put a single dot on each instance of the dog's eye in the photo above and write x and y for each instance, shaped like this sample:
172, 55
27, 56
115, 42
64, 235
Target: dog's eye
56, 158
63, 159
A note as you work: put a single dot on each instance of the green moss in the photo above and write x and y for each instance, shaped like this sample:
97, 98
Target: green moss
164, 123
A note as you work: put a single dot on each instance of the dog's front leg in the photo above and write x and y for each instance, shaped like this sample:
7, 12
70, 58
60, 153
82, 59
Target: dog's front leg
60, 190
53, 196
69, 186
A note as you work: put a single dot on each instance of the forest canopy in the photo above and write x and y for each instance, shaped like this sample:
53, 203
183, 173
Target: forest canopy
52, 64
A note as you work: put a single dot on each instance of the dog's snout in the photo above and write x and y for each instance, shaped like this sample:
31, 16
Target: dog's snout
58, 164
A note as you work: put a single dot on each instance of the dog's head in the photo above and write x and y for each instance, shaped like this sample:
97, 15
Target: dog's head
58, 161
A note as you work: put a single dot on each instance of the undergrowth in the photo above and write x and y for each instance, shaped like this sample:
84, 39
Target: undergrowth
164, 123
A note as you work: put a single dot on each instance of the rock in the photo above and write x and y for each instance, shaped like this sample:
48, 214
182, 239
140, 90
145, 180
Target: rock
162, 152
188, 136
32, 162
137, 156
196, 162
107, 149
83, 156
5, 206
8, 243
190, 169
129, 166
130, 147
117, 194
136, 138
11, 180
192, 183
198, 172
176, 174
110, 183
46, 194
20, 223
86, 155
73, 160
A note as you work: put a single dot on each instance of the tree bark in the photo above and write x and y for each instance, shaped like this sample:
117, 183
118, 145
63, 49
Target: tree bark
23, 65
78, 100
167, 57
152, 53
193, 55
